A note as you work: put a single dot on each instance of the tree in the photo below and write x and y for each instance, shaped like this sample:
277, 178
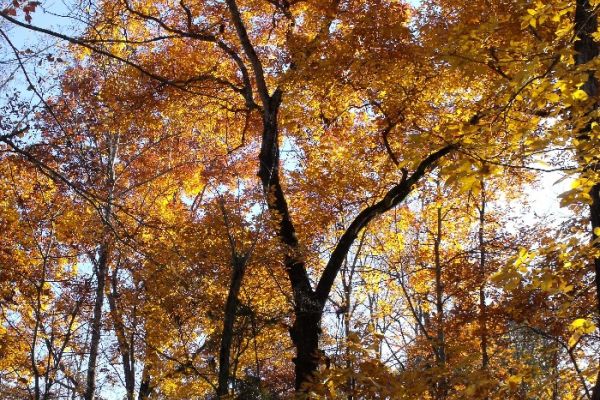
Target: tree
386, 138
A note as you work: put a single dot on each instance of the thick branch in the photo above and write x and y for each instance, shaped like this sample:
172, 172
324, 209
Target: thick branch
242, 33
276, 201
397, 194
269, 162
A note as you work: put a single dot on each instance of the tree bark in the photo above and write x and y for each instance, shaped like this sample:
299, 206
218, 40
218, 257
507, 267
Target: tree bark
145, 384
586, 49
595, 219
482, 298
442, 387
239, 266
307, 309
124, 346
348, 310
101, 267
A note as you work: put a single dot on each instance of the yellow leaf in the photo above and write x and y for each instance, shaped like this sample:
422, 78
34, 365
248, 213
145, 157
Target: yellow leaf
573, 340
579, 95
547, 282
533, 22
582, 325
514, 381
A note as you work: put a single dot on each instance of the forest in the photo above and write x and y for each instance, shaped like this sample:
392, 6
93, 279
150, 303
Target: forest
299, 199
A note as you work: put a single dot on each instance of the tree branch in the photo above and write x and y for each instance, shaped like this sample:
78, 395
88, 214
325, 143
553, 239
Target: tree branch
242, 33
393, 197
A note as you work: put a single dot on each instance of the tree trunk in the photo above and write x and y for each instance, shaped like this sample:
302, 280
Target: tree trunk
305, 336
145, 384
347, 310
439, 305
347, 320
124, 346
307, 309
586, 49
482, 299
595, 219
239, 266
101, 267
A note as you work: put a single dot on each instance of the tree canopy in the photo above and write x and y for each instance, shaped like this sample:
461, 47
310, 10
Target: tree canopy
273, 199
